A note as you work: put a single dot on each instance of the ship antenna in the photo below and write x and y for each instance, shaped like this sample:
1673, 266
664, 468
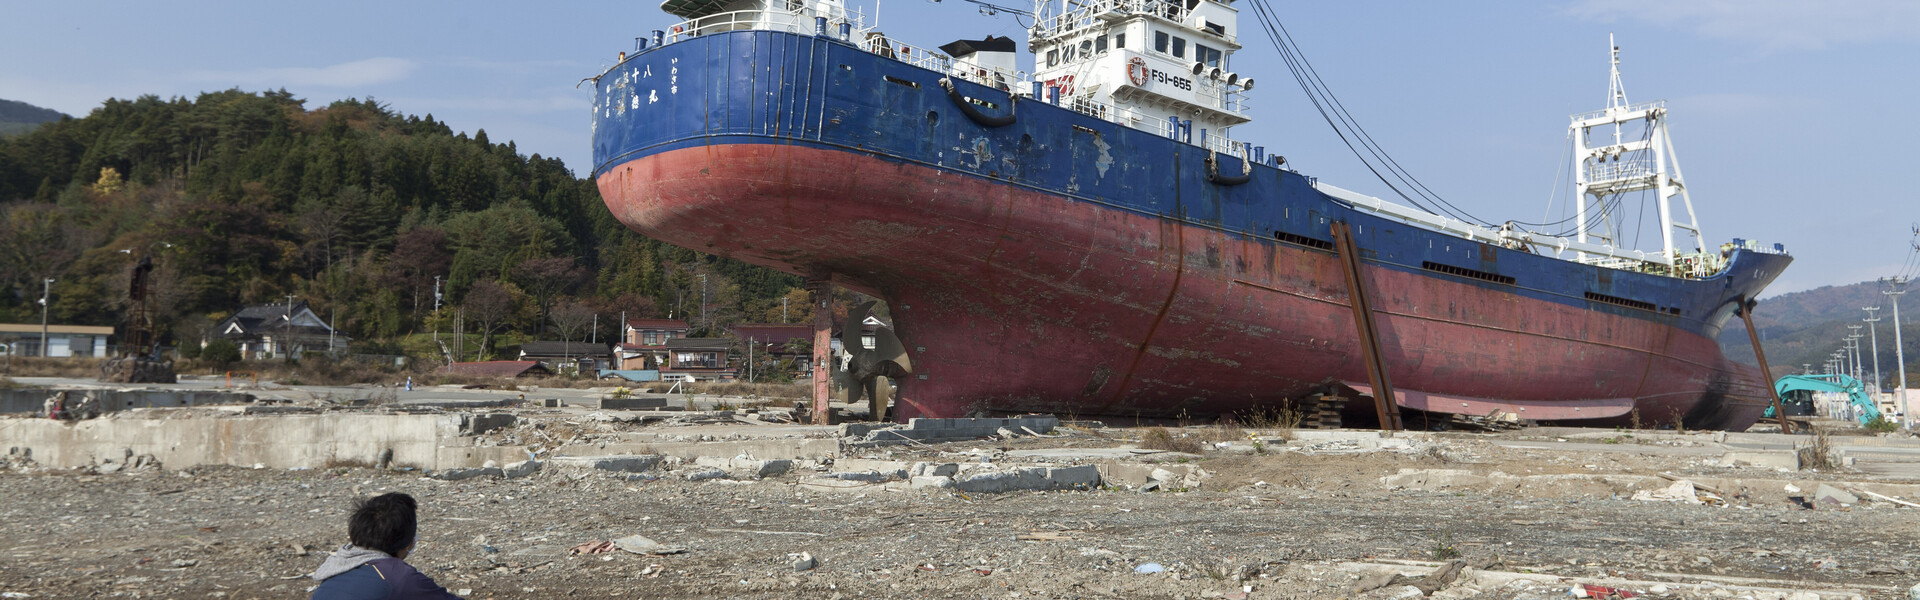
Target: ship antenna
1616, 91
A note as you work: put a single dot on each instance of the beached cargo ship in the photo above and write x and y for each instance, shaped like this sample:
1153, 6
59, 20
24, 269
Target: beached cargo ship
1087, 239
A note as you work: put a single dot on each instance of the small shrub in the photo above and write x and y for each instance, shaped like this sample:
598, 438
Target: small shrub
1443, 548
1880, 424
1158, 438
221, 352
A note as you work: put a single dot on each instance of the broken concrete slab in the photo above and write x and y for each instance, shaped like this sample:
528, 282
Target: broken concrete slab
862, 476
1076, 477
921, 469
521, 469
625, 463
1782, 461
831, 484
630, 403
706, 474
639, 544
932, 430
459, 474
891, 468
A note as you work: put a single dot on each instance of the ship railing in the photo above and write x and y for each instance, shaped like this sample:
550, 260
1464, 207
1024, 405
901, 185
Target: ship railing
796, 21
999, 79
908, 53
1604, 112
1089, 15
1616, 171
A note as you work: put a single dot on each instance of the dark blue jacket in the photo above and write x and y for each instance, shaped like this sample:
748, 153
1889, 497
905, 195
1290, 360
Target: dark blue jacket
382, 579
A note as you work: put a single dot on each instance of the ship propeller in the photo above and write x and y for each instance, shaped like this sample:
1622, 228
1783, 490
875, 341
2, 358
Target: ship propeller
867, 370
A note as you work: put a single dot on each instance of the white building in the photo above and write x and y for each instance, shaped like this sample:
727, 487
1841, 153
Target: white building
63, 341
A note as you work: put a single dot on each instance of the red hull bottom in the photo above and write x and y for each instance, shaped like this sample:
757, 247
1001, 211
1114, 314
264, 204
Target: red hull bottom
1011, 300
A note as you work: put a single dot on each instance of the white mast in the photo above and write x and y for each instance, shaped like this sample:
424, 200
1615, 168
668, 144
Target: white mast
1629, 164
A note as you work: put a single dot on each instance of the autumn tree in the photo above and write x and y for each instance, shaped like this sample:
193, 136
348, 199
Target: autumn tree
489, 304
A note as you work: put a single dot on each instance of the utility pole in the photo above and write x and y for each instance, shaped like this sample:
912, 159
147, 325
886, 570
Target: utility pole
436, 310
1853, 345
596, 330
46, 288
287, 344
1897, 285
703, 303
783, 309
1873, 332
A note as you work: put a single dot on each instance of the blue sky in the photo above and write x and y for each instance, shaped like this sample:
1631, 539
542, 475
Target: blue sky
1792, 119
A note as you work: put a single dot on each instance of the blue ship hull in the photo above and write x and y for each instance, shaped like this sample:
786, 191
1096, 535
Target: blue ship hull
1190, 295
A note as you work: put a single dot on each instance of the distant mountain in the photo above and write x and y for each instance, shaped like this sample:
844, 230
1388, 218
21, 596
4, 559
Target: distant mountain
20, 117
1805, 328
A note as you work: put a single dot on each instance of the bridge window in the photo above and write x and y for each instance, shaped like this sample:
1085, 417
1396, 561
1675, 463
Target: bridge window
1100, 44
1086, 48
1179, 47
1206, 55
1160, 40
1053, 57
1120, 41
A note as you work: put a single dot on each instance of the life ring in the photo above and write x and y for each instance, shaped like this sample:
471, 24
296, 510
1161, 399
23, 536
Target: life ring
1137, 71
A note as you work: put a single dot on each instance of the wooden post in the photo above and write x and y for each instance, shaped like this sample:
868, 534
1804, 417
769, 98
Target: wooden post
820, 293
1753, 335
1383, 401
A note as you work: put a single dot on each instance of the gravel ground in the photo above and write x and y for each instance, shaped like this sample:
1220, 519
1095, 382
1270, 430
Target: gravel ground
228, 532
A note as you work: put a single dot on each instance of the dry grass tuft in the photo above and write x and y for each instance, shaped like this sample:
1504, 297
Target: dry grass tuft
1224, 430
1283, 418
1818, 453
1158, 438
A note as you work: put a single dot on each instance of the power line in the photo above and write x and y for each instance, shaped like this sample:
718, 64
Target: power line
1347, 127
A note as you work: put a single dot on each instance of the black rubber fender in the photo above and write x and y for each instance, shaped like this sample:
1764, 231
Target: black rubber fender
1213, 171
974, 114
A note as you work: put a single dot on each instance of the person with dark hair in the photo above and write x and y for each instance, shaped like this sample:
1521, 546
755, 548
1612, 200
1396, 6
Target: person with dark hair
383, 530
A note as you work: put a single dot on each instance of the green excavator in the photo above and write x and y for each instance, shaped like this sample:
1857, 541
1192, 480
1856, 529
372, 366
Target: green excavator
1796, 394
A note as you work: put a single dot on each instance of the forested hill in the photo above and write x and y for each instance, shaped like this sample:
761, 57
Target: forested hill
246, 198
20, 117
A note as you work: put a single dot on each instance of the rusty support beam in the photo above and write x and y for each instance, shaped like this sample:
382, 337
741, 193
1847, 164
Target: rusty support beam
1753, 335
820, 294
1383, 399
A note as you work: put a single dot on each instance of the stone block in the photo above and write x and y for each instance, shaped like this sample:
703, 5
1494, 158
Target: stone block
706, 474
1830, 495
1004, 481
626, 463
521, 469
930, 482
459, 474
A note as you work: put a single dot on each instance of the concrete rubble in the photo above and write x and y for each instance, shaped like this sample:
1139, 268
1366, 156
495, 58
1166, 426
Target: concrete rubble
751, 505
